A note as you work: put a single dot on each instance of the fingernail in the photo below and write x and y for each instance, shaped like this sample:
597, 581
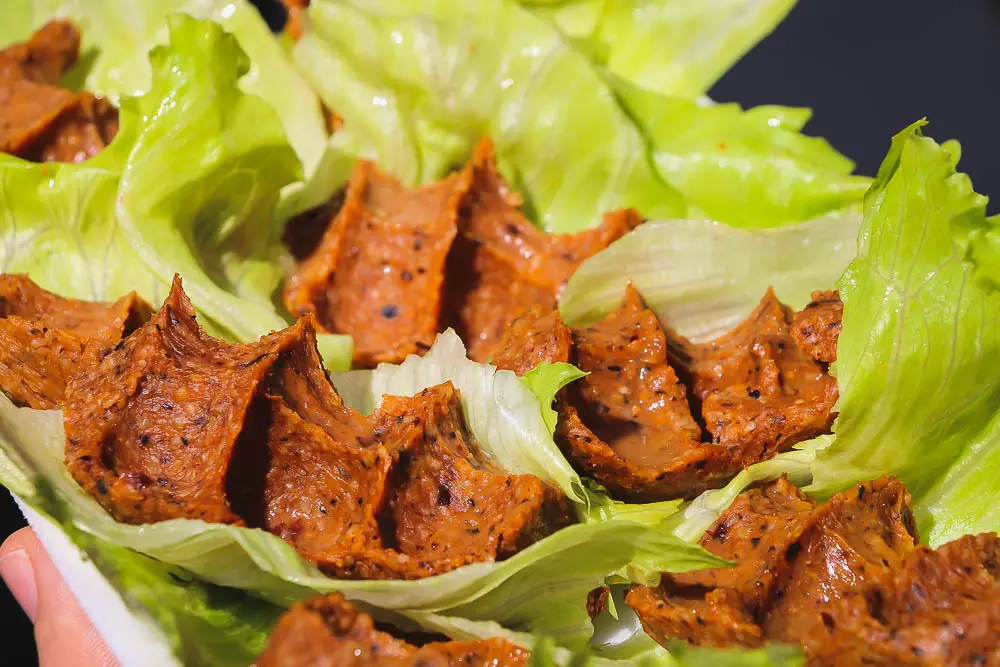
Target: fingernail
17, 573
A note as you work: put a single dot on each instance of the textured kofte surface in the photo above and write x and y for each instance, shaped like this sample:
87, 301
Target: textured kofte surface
43, 337
660, 417
172, 423
39, 120
329, 632
397, 265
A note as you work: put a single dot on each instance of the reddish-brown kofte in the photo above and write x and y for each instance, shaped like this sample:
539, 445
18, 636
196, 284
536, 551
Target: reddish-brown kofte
39, 120
846, 580
168, 422
330, 632
660, 417
43, 337
396, 266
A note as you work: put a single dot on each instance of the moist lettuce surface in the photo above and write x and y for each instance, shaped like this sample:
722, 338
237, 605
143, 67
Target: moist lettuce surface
417, 83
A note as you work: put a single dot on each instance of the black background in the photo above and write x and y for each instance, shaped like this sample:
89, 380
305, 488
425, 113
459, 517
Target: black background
867, 67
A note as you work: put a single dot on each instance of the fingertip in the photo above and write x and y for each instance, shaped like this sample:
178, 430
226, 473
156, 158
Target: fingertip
17, 570
62, 628
23, 539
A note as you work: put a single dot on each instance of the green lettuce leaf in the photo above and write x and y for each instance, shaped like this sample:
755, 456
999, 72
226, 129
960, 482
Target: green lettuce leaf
748, 168
774, 655
67, 211
674, 47
702, 278
698, 515
920, 344
603, 508
544, 381
227, 156
150, 613
418, 83
984, 253
205, 624
117, 34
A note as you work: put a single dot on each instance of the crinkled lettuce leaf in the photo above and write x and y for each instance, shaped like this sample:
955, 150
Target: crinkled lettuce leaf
419, 82
917, 357
227, 157
59, 225
702, 278
984, 253
117, 34
674, 47
751, 168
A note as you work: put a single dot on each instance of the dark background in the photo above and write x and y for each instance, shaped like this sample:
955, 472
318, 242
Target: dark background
867, 67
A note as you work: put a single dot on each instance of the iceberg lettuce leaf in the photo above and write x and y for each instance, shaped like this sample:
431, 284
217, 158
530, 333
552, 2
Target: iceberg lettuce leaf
58, 224
418, 83
227, 157
920, 343
674, 47
748, 168
117, 34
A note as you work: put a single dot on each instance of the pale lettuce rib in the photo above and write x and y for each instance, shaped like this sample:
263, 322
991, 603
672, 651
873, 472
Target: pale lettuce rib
702, 278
